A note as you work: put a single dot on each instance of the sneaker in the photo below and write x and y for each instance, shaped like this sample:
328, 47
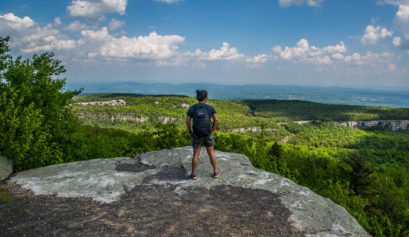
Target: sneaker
216, 174
194, 176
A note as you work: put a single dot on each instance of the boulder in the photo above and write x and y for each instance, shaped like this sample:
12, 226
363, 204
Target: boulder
6, 167
106, 180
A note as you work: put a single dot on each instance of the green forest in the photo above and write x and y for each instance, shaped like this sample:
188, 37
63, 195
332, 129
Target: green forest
365, 171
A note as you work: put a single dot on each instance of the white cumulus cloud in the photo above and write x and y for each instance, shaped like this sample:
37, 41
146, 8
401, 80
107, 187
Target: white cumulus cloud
76, 26
403, 13
288, 3
401, 22
30, 37
338, 56
9, 20
373, 34
372, 59
305, 53
224, 53
95, 9
151, 47
258, 59
397, 41
115, 24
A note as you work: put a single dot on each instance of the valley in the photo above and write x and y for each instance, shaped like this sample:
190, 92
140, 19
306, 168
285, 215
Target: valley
358, 156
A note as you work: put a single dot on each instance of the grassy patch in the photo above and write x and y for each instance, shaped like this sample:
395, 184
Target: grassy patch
6, 196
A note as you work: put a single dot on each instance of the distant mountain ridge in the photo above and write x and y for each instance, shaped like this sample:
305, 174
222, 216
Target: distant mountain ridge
328, 95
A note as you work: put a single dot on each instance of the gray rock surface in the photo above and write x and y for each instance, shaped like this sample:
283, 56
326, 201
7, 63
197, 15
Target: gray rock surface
395, 125
106, 179
6, 167
103, 103
253, 129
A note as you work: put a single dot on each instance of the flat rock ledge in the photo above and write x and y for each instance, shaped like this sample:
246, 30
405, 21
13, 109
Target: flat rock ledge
6, 167
118, 182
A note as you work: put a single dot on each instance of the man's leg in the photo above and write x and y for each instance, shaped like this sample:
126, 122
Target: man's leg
195, 160
212, 156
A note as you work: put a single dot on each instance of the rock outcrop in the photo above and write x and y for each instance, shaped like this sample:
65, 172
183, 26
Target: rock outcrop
253, 129
103, 103
107, 180
394, 125
186, 106
6, 167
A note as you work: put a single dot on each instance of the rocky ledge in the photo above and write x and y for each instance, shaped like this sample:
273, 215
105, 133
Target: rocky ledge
394, 125
6, 167
244, 201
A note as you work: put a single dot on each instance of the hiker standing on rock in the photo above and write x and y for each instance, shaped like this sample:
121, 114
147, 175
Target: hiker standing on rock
202, 134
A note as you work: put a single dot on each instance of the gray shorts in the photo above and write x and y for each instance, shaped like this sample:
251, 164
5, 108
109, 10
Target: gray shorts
202, 141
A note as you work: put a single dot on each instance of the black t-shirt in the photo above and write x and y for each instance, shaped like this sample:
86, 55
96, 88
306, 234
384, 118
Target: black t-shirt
209, 109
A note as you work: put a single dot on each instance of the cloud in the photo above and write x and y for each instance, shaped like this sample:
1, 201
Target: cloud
96, 9
169, 1
314, 3
30, 37
288, 3
9, 20
397, 41
52, 43
76, 26
401, 23
373, 34
371, 59
334, 57
151, 47
258, 59
338, 56
402, 14
115, 24
305, 53
57, 21
339, 48
224, 53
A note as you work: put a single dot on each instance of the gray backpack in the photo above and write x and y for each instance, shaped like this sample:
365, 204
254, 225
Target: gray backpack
201, 121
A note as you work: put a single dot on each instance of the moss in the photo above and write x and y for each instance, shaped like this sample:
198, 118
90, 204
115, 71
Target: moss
6, 196
25, 210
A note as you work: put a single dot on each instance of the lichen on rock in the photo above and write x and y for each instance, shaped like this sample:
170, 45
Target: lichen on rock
107, 179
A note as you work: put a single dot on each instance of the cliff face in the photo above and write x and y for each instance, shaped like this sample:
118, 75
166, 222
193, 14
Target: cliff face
103, 103
395, 125
107, 181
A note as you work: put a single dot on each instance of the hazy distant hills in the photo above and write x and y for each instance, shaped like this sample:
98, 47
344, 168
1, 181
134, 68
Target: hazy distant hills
329, 95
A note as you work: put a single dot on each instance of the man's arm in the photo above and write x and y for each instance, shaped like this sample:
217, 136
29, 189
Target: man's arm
215, 121
189, 127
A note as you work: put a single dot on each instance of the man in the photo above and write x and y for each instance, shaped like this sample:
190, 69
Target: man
202, 134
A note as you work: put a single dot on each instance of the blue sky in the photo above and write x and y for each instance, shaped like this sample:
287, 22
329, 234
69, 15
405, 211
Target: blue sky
290, 42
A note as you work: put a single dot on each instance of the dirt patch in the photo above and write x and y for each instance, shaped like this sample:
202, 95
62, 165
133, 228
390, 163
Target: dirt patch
148, 210
134, 167
168, 173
